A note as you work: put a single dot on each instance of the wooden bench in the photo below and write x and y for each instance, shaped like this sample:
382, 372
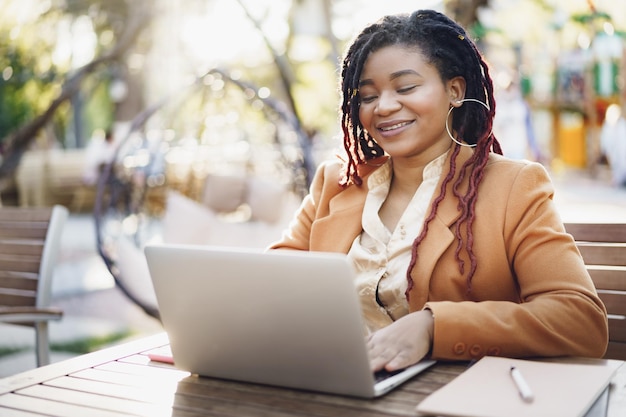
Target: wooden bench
30, 240
603, 247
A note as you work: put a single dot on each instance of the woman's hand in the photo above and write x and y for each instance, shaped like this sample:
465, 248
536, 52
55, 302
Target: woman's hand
403, 343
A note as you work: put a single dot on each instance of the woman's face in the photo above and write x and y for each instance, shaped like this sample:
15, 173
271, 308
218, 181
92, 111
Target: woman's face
404, 103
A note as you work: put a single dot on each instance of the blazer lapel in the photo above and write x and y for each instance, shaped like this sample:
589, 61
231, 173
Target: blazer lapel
439, 236
338, 230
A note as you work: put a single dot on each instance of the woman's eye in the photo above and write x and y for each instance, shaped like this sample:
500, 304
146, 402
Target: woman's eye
406, 89
368, 99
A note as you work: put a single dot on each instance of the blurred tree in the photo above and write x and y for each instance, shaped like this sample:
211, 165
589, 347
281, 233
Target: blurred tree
26, 79
465, 12
72, 93
17, 74
119, 24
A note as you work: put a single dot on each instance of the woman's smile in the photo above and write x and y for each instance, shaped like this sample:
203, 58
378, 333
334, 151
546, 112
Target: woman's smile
392, 128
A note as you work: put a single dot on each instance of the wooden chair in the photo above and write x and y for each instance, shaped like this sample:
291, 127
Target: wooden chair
603, 247
29, 246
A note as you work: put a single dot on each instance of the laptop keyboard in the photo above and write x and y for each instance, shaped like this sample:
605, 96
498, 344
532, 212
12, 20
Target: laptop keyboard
384, 374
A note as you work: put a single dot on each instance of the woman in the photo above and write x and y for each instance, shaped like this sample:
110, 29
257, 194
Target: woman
459, 252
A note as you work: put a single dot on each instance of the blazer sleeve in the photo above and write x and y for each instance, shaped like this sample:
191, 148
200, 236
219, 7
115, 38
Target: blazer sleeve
531, 295
298, 234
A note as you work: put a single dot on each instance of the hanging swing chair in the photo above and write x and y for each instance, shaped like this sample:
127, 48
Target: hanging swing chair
220, 127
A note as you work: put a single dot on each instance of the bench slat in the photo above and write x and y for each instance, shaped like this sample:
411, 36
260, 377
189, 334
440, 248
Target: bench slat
20, 263
615, 301
616, 350
16, 282
22, 237
617, 328
608, 278
33, 215
21, 247
18, 299
597, 232
610, 254
603, 248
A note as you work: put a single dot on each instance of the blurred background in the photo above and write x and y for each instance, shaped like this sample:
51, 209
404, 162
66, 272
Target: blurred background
202, 121
202, 86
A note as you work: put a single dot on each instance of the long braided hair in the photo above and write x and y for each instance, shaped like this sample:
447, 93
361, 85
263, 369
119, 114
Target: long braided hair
445, 45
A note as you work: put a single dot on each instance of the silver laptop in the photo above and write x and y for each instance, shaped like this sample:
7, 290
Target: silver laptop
284, 318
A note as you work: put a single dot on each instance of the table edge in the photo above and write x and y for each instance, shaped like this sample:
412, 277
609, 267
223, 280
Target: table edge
88, 360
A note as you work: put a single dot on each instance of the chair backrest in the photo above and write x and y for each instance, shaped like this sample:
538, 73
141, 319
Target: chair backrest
603, 247
30, 239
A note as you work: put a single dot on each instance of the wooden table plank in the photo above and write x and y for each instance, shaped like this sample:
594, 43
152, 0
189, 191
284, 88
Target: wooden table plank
196, 393
142, 359
154, 393
12, 412
39, 375
123, 381
95, 401
127, 368
50, 407
128, 380
270, 401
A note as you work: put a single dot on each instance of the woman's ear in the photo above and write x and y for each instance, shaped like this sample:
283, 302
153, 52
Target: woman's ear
456, 90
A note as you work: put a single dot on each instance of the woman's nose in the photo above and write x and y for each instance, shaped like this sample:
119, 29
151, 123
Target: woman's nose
387, 103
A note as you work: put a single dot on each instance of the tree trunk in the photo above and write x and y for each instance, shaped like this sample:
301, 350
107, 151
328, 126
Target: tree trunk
465, 12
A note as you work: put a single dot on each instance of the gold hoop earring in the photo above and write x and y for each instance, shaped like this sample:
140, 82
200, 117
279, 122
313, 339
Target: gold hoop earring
448, 116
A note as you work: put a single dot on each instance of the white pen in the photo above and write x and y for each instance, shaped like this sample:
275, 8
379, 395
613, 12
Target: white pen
522, 386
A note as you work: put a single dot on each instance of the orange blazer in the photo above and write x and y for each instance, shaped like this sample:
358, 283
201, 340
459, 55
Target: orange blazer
531, 294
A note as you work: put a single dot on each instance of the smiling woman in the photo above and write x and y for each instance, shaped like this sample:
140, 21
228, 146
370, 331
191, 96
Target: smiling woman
459, 252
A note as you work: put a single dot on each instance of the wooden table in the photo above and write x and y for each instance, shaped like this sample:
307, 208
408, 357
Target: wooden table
122, 381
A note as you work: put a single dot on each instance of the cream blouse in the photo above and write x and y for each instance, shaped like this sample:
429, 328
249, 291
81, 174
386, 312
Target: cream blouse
381, 257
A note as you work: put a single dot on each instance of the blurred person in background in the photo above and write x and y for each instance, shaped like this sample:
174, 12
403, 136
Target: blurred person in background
613, 143
99, 154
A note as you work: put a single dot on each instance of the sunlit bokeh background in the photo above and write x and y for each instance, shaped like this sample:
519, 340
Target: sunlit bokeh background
232, 83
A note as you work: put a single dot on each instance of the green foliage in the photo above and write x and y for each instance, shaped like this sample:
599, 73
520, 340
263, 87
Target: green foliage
26, 84
6, 351
33, 67
99, 111
587, 18
90, 344
78, 346
15, 107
